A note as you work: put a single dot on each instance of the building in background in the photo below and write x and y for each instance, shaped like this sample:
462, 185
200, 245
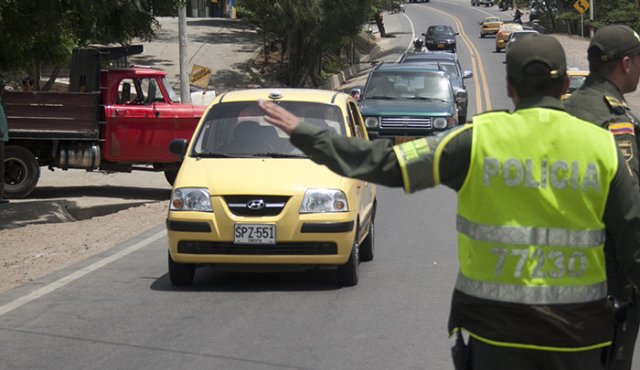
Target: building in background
211, 8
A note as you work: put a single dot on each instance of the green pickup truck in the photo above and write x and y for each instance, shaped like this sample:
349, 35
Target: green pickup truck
408, 100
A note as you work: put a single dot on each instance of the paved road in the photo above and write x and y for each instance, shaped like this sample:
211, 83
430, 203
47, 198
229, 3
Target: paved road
118, 310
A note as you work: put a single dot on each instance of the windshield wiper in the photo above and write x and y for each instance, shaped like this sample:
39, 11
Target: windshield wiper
279, 155
425, 98
380, 97
212, 155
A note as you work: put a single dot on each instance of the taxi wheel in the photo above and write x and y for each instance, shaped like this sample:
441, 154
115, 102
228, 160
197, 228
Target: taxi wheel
171, 175
348, 273
181, 274
367, 248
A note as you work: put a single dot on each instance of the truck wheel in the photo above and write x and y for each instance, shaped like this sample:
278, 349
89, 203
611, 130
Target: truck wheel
348, 273
367, 248
171, 175
21, 172
181, 274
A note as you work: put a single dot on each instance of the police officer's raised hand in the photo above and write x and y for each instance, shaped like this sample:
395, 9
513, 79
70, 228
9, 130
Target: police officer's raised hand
278, 116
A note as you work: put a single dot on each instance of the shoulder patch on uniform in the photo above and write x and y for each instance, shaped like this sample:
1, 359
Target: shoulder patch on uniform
626, 149
615, 105
622, 128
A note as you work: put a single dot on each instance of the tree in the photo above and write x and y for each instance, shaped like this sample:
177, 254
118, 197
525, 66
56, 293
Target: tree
306, 31
37, 33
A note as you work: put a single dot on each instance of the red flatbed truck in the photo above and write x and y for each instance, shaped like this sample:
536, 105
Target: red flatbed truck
111, 120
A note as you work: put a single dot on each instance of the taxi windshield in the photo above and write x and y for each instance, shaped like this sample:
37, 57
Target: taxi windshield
239, 128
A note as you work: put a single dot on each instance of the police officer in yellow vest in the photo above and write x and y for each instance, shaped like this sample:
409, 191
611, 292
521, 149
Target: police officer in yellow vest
614, 70
536, 188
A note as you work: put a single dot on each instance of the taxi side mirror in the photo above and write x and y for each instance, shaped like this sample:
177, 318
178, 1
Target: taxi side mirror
178, 147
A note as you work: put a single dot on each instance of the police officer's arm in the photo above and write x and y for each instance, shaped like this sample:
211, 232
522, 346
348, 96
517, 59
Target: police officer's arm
622, 220
377, 161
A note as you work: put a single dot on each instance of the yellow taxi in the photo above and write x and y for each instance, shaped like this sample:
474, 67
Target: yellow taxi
502, 37
576, 79
490, 26
245, 197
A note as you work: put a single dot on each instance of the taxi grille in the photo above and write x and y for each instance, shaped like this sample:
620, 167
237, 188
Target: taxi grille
287, 248
239, 205
405, 122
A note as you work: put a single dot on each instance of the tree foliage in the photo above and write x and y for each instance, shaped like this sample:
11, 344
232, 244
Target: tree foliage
37, 32
306, 31
561, 16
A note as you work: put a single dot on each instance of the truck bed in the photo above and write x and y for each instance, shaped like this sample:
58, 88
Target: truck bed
52, 115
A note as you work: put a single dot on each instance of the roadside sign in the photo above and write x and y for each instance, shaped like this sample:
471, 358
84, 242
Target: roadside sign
581, 6
200, 76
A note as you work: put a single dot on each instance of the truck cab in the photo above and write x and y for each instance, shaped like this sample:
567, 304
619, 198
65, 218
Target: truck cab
144, 115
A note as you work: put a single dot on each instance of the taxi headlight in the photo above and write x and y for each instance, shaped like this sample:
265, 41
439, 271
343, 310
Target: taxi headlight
371, 122
440, 122
191, 199
324, 201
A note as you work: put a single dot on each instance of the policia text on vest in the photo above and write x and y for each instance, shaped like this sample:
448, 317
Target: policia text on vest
559, 174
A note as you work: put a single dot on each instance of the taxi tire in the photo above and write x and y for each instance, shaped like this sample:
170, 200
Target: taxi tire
348, 273
179, 273
171, 175
367, 248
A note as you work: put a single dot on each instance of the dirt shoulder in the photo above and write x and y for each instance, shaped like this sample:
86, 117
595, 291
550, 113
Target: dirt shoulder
33, 251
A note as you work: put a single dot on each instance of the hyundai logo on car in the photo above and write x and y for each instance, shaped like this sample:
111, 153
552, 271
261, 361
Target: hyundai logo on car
256, 204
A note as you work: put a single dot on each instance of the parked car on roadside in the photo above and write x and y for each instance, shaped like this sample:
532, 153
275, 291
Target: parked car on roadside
440, 37
450, 64
408, 100
246, 196
481, 2
490, 26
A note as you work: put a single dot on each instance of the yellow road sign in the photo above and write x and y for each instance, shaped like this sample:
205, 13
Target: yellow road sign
200, 76
581, 6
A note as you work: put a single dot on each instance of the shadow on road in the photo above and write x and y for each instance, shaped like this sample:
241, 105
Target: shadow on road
102, 191
209, 280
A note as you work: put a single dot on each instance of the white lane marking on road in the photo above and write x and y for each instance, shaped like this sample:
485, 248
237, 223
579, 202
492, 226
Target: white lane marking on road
77, 275
413, 35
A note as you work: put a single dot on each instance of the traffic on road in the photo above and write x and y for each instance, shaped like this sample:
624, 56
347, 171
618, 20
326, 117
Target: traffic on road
266, 259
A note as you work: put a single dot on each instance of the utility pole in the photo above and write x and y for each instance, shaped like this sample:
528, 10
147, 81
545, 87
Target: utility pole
591, 16
185, 91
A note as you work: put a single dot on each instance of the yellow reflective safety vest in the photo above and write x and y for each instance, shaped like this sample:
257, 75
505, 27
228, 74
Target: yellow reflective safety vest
530, 228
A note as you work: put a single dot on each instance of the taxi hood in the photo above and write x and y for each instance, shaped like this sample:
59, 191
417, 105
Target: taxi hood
256, 175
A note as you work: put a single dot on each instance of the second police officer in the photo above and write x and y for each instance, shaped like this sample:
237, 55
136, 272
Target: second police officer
614, 69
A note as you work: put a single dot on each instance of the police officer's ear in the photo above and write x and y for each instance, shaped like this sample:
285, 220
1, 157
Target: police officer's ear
627, 63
